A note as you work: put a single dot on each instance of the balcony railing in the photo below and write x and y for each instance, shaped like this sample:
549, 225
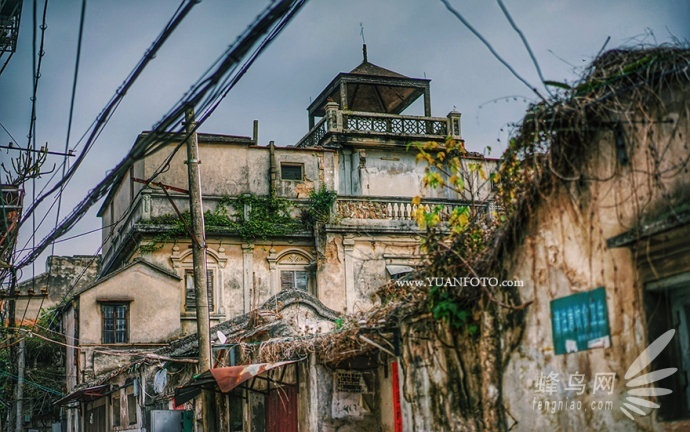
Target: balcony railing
366, 123
381, 123
151, 205
397, 209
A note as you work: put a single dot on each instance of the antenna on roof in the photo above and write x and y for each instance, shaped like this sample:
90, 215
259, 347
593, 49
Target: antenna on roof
364, 42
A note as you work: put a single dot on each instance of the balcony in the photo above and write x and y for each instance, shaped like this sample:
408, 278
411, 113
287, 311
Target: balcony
153, 212
358, 124
393, 213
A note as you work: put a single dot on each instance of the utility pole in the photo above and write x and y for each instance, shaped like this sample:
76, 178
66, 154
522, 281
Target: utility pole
20, 387
199, 261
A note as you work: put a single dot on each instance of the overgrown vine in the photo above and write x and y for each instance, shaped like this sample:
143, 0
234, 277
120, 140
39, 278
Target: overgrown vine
253, 217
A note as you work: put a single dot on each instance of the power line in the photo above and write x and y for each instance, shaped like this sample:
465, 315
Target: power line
151, 139
282, 10
37, 59
8, 133
486, 43
71, 110
114, 102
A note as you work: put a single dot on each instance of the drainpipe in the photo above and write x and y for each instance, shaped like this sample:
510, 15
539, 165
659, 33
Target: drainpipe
273, 170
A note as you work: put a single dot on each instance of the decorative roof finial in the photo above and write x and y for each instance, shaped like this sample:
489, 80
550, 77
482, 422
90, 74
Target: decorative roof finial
364, 42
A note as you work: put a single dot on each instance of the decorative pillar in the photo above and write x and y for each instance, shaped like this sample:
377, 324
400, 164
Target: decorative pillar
427, 101
273, 269
331, 110
348, 248
362, 172
247, 275
454, 125
145, 205
343, 96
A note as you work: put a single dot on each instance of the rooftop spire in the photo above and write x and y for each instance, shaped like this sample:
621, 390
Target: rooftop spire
364, 42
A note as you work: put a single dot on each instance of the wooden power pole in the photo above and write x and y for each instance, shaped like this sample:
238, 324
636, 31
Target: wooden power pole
199, 261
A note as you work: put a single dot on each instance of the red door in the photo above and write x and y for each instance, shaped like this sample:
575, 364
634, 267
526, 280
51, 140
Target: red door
281, 410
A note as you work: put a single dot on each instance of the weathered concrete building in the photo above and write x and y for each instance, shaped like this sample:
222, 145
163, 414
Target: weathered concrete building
612, 237
297, 237
63, 276
595, 337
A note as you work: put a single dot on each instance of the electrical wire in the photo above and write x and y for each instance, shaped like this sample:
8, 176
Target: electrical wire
8, 133
71, 111
263, 24
37, 63
284, 18
110, 108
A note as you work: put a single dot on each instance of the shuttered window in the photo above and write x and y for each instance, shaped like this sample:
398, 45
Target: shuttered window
190, 294
294, 279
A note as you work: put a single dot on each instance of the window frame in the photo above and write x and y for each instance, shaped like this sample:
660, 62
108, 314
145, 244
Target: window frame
294, 278
190, 292
113, 333
116, 408
292, 165
666, 306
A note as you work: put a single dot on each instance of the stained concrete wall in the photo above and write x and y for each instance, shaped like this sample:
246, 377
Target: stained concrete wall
231, 168
564, 251
394, 172
145, 289
64, 275
355, 266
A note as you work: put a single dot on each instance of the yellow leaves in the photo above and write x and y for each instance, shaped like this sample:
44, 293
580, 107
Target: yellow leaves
418, 215
416, 200
433, 179
459, 219
424, 156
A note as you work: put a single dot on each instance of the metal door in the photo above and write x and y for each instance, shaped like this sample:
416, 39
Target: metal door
281, 409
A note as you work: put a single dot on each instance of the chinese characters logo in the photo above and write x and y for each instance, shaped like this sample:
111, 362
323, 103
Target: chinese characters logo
637, 386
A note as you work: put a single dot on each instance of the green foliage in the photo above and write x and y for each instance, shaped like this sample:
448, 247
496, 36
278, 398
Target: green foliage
445, 307
319, 207
265, 217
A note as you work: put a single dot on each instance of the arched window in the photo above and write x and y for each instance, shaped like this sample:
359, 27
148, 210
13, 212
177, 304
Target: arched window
215, 261
291, 269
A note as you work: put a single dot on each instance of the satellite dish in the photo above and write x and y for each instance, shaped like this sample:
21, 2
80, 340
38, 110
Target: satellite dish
221, 337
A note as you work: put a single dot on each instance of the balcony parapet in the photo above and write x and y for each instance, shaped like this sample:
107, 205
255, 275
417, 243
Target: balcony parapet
395, 209
153, 211
361, 123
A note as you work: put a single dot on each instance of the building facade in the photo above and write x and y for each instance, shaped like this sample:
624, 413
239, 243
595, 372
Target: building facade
298, 239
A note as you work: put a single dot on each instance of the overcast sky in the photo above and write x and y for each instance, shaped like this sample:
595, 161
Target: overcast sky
418, 38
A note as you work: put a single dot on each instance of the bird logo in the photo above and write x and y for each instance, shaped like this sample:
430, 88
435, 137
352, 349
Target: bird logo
637, 385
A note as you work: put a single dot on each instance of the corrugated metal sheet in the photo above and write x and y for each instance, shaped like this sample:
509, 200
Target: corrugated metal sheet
227, 378
232, 376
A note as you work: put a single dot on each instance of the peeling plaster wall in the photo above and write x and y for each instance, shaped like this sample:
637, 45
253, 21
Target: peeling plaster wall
243, 274
356, 265
391, 173
331, 277
395, 172
564, 252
